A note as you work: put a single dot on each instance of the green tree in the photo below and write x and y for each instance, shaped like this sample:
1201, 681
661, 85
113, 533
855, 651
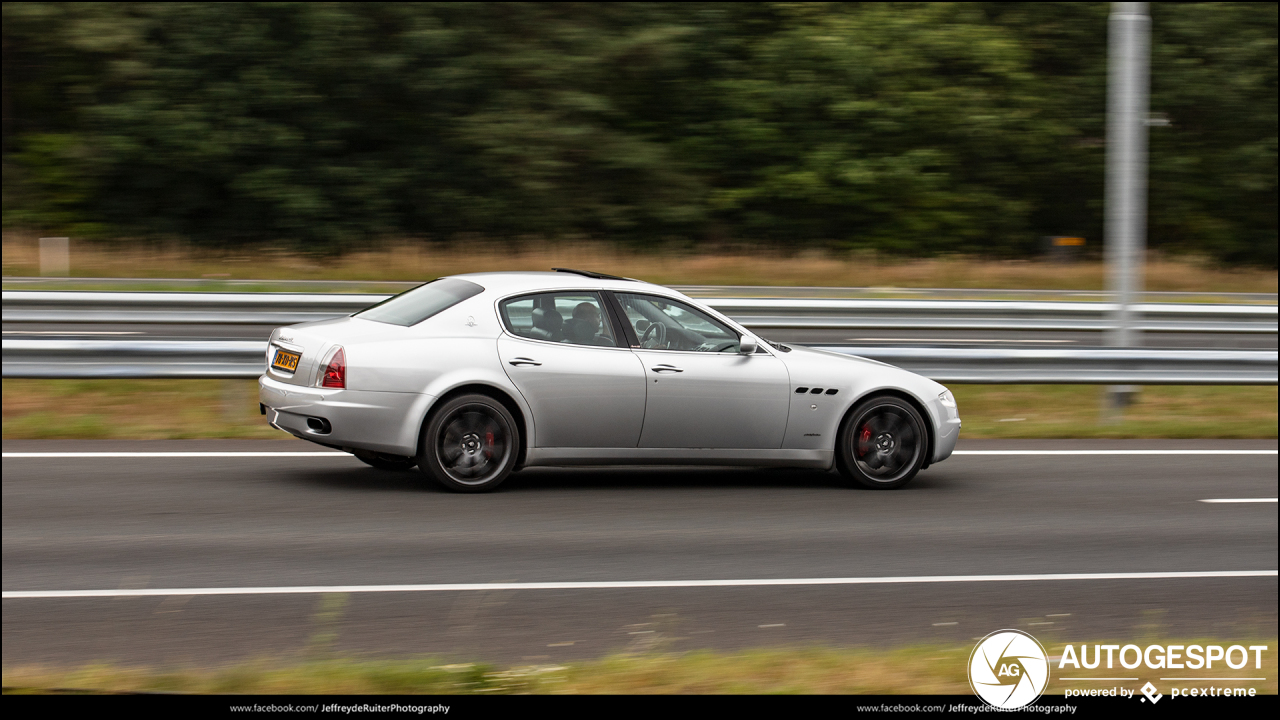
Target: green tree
914, 128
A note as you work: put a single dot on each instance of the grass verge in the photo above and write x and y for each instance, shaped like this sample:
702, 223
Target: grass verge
925, 669
133, 410
185, 409
720, 266
1074, 411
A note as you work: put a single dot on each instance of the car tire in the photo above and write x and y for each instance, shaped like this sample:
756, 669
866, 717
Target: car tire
470, 444
386, 462
882, 443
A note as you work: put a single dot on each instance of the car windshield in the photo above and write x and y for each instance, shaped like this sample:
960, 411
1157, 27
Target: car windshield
420, 303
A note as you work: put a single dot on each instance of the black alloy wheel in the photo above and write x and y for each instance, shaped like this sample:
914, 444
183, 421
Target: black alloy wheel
470, 444
882, 443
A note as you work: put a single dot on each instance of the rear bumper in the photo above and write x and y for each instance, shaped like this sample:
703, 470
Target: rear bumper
383, 422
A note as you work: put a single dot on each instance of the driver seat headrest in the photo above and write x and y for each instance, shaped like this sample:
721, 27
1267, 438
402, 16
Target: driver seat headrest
547, 324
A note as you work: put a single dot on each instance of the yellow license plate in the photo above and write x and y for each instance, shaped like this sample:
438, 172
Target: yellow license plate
286, 361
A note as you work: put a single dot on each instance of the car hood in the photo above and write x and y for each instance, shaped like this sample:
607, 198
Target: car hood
817, 355
811, 367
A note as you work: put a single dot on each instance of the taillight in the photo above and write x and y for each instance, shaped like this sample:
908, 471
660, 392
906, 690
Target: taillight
335, 373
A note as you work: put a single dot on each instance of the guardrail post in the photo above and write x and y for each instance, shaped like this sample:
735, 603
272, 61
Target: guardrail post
1128, 47
55, 256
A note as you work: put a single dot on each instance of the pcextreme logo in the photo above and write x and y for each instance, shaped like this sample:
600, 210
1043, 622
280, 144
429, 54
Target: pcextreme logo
1008, 669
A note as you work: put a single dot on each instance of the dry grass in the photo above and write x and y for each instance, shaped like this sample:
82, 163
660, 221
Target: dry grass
179, 409
1065, 411
726, 266
133, 409
923, 670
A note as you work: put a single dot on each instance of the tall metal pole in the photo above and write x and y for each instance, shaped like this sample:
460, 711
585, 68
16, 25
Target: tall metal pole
1128, 79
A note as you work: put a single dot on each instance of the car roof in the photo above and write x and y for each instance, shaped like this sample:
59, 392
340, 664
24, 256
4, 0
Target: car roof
504, 282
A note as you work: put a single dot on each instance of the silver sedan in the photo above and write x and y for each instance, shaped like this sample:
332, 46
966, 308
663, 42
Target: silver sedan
472, 377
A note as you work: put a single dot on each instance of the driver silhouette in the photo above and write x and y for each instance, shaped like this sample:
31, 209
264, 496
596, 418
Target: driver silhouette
585, 325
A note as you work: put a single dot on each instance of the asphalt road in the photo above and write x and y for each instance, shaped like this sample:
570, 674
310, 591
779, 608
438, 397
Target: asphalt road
271, 522
804, 336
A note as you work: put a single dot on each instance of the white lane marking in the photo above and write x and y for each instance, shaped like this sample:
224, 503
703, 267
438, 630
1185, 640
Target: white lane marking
1097, 678
1114, 452
1240, 500
170, 454
1200, 678
342, 454
957, 340
73, 332
626, 584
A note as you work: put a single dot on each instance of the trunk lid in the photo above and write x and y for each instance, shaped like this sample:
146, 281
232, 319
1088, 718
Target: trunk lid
314, 341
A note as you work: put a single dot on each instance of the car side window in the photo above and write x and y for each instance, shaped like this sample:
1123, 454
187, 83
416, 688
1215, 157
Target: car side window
574, 318
663, 323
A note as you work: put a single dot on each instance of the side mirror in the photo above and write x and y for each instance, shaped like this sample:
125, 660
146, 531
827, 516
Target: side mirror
746, 345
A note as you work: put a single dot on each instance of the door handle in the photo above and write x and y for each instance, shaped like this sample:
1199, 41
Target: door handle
520, 361
666, 368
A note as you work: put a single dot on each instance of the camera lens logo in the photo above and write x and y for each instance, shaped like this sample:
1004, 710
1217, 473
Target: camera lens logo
1008, 669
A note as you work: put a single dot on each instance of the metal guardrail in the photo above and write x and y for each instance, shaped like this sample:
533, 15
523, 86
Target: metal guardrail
757, 291
825, 313
991, 315
180, 308
134, 358
226, 359
244, 359
1102, 366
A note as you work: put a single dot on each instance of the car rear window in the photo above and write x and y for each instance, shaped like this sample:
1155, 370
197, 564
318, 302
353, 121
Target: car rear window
420, 303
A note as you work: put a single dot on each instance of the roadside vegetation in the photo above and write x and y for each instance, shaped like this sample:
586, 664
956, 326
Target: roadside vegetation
188, 409
913, 130
727, 265
1074, 411
923, 669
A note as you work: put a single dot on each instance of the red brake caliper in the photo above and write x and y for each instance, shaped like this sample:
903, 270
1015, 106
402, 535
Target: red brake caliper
488, 439
862, 440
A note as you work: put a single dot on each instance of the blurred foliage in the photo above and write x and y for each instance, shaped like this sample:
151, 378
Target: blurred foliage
906, 128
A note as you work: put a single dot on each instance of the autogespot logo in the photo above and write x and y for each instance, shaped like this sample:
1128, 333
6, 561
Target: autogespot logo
1008, 669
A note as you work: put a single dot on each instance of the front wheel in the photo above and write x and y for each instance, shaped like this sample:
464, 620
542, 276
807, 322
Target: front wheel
882, 443
470, 444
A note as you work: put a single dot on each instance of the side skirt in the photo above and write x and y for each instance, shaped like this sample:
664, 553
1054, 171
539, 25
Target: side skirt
542, 457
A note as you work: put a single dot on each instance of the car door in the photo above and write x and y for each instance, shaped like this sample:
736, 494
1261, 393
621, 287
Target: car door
585, 388
702, 393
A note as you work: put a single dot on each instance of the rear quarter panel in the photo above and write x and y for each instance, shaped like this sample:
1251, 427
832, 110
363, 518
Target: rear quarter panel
455, 348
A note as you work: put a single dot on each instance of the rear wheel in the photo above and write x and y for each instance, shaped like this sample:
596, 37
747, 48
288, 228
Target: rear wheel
470, 444
386, 462
882, 443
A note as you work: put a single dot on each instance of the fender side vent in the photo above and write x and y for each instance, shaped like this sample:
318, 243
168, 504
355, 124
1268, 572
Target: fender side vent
832, 391
801, 391
816, 391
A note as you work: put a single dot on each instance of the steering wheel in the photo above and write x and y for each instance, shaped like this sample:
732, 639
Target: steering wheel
721, 346
659, 333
